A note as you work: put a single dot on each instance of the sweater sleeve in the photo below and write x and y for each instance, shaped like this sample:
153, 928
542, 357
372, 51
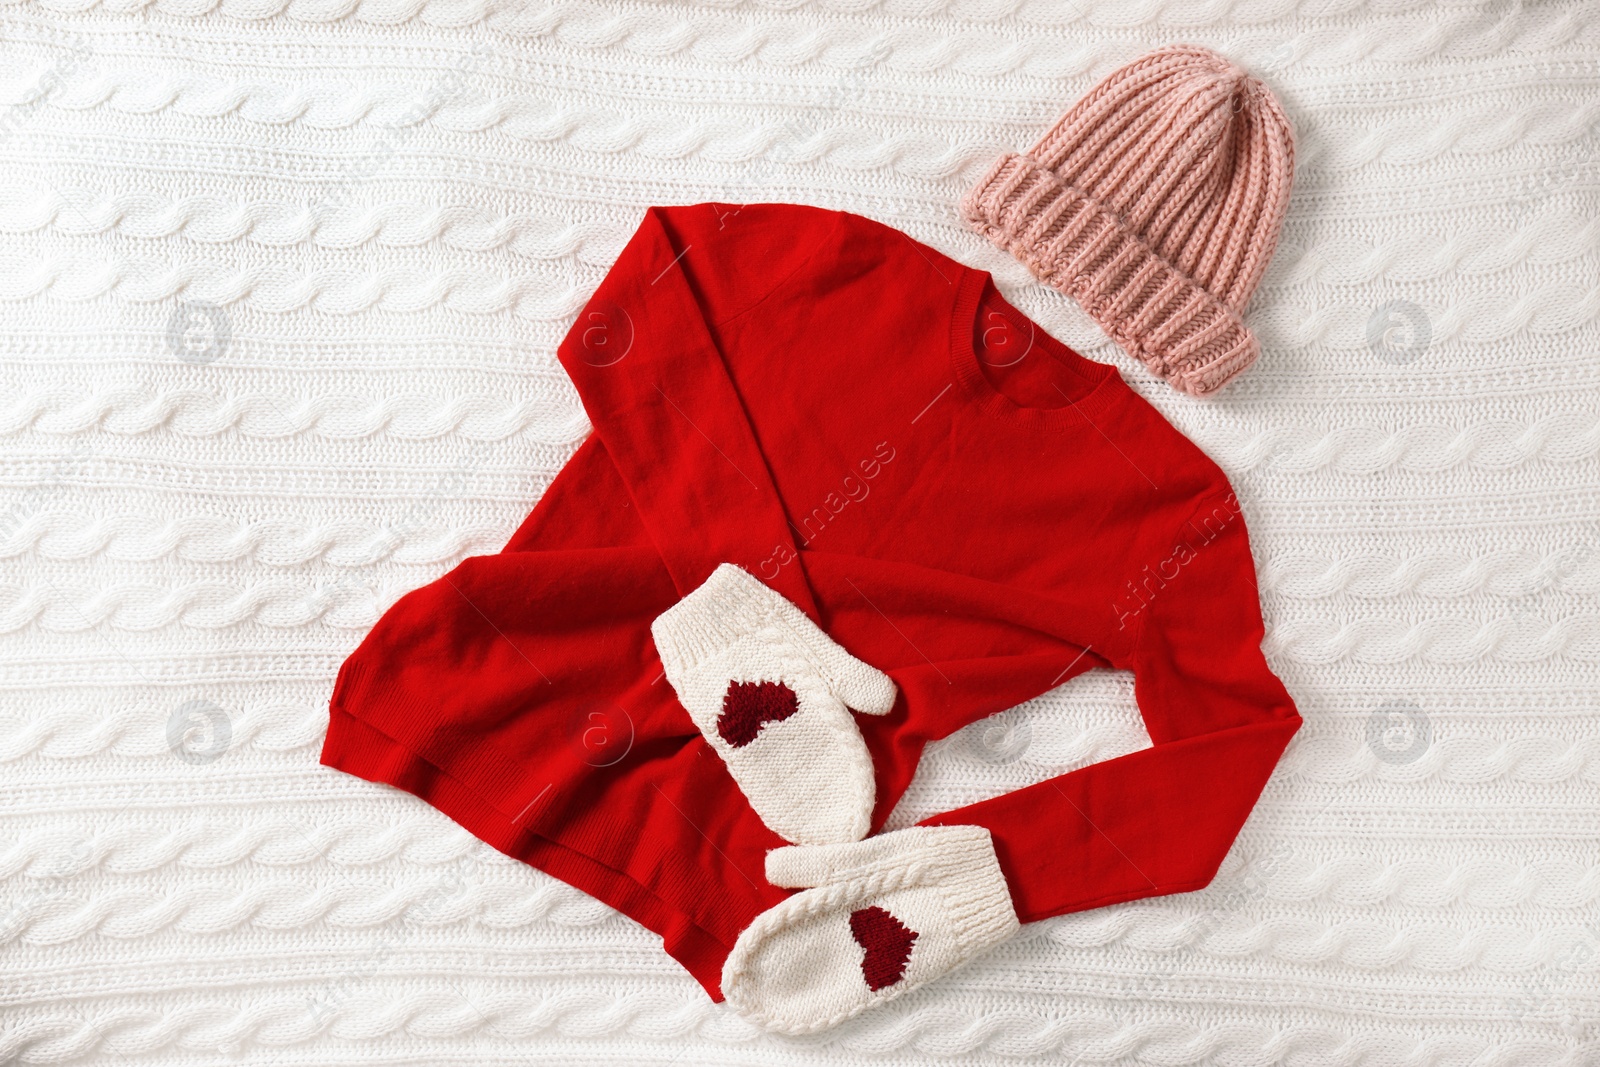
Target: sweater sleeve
1160, 820
644, 357
1198, 666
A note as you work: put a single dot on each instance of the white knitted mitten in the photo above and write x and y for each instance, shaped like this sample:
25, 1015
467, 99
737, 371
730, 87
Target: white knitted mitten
772, 694
887, 914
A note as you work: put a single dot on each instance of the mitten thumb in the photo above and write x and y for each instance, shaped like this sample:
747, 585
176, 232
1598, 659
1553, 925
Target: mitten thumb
861, 686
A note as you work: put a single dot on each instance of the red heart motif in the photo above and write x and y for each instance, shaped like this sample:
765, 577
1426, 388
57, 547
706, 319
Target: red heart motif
748, 706
888, 943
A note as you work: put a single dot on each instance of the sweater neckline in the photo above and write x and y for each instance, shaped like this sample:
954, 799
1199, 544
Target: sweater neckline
1105, 392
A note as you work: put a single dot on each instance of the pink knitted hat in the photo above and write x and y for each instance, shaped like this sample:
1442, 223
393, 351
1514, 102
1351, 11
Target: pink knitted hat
1155, 203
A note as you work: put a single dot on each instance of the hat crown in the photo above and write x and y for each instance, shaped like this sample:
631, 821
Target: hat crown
1190, 151
1156, 201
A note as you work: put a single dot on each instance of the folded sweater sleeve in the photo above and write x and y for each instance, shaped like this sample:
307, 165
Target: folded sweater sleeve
1160, 820
645, 360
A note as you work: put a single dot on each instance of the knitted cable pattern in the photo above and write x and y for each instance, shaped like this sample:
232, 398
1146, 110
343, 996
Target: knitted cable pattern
395, 207
787, 971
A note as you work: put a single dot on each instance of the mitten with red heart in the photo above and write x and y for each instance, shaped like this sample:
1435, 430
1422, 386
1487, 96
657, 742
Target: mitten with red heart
773, 694
884, 916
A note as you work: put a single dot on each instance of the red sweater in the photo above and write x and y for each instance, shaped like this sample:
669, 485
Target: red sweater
953, 495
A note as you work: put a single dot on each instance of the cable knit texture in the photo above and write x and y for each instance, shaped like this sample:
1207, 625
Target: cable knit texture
773, 694
399, 206
880, 917
1156, 202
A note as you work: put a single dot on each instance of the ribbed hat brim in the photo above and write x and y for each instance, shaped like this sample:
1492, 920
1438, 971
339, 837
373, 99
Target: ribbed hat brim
1076, 245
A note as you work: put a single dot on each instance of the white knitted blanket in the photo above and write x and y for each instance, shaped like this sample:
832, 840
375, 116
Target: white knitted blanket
280, 286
